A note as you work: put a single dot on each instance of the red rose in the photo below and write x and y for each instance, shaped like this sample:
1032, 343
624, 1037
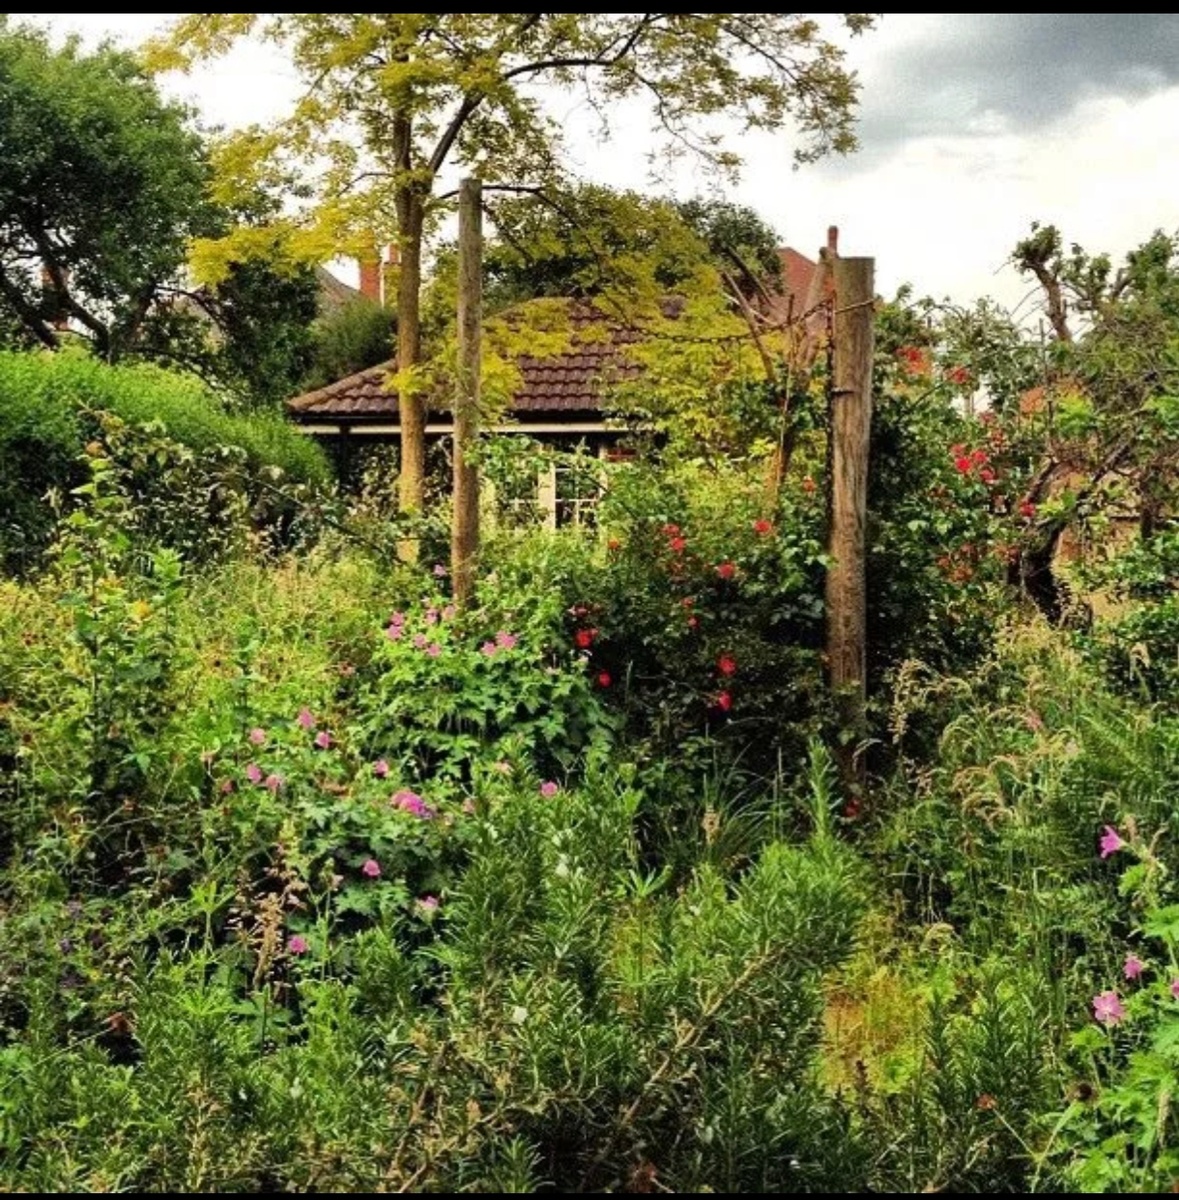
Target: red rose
1027, 510
604, 679
979, 457
726, 664
677, 545
962, 463
763, 527
724, 701
584, 638
987, 475
726, 570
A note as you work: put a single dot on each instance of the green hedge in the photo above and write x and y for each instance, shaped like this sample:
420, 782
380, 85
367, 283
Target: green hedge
47, 407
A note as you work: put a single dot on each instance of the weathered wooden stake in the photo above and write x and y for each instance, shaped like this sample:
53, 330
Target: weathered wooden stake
851, 421
464, 536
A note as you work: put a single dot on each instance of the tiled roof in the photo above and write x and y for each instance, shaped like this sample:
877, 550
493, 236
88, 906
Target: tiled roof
569, 381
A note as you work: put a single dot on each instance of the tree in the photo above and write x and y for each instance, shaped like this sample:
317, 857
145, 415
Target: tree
425, 88
356, 335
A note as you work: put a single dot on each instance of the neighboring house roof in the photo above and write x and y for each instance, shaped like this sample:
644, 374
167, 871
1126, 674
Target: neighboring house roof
568, 384
333, 293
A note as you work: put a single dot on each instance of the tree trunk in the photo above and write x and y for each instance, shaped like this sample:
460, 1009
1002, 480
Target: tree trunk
464, 538
411, 405
851, 421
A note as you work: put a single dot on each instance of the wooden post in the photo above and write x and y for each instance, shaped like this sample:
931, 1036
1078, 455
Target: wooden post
464, 537
851, 421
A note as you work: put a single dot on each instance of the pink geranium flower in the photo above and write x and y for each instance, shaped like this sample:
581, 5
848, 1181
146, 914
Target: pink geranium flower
371, 868
505, 640
1111, 842
274, 782
549, 789
1175, 988
1133, 966
323, 739
1108, 1008
257, 737
306, 718
428, 904
254, 773
419, 640
433, 649
380, 768
297, 945
395, 632
488, 648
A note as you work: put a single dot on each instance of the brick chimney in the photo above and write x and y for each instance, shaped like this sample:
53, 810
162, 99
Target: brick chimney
370, 278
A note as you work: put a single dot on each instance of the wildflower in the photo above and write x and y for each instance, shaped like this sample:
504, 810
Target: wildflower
1111, 842
1133, 966
1175, 988
985, 1102
604, 679
420, 640
380, 768
958, 376
505, 640
257, 737
724, 701
978, 457
371, 868
1027, 510
762, 527
431, 616
428, 904
962, 464
273, 782
227, 786
297, 945
1108, 1008
677, 545
413, 804
726, 570
584, 638
394, 632
488, 648
305, 718
693, 622
323, 739
440, 571
548, 789
726, 664
254, 773
398, 618
448, 612
433, 649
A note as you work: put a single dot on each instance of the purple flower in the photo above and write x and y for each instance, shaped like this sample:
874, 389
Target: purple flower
323, 739
433, 649
394, 632
413, 804
371, 868
440, 571
505, 640
254, 773
274, 782
1133, 966
549, 789
380, 768
1108, 1008
306, 718
297, 944
488, 648
428, 904
419, 640
1111, 842
257, 736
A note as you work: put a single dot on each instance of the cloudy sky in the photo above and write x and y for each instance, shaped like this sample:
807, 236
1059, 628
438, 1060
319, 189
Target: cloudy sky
972, 126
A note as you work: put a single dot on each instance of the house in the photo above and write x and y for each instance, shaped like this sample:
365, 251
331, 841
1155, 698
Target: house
560, 399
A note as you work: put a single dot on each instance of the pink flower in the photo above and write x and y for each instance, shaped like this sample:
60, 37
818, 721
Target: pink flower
488, 648
431, 616
428, 904
1111, 842
1108, 1008
726, 664
505, 640
1175, 988
413, 804
448, 612
724, 701
419, 640
398, 618
254, 773
380, 768
257, 736
323, 739
440, 571
394, 632
274, 782
763, 527
1133, 966
726, 570
297, 945
306, 718
549, 788
371, 868
433, 649
226, 786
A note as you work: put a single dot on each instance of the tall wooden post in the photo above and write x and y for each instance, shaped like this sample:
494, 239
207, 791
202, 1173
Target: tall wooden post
464, 535
851, 421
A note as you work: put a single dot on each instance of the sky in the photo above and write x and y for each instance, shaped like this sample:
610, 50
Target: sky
971, 126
